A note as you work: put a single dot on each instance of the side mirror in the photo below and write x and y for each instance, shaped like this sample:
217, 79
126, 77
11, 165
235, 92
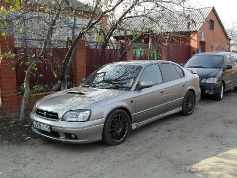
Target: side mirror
83, 80
144, 84
228, 66
192, 70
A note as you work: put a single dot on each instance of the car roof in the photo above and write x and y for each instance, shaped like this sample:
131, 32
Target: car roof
140, 62
222, 53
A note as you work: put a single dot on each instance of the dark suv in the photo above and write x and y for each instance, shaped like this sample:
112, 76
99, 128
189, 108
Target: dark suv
217, 72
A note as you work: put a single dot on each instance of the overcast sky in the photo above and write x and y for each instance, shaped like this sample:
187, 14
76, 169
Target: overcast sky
226, 9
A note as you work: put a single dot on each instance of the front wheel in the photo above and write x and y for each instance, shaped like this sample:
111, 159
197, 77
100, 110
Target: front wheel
188, 103
220, 94
116, 128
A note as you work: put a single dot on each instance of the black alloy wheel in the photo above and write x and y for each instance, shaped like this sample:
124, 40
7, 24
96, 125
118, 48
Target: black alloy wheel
188, 103
116, 128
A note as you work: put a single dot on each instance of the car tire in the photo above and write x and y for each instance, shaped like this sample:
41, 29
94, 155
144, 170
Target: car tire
116, 128
188, 104
220, 94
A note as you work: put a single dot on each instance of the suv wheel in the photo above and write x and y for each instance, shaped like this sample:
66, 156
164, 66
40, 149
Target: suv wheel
220, 94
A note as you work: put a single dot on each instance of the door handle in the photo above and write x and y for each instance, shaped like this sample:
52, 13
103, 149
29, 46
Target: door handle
183, 85
162, 91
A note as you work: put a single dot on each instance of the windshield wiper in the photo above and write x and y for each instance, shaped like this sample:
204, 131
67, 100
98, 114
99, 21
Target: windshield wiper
87, 86
110, 84
216, 67
116, 87
75, 92
197, 67
116, 81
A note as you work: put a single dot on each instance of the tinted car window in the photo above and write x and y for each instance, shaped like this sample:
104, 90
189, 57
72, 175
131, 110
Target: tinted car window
206, 61
171, 72
233, 59
179, 70
152, 73
228, 60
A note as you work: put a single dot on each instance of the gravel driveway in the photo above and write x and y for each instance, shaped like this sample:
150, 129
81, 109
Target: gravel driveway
201, 145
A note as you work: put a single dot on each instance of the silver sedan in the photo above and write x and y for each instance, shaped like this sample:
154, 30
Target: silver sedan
116, 99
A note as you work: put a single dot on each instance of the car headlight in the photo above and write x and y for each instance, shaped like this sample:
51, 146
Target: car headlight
203, 80
209, 80
76, 116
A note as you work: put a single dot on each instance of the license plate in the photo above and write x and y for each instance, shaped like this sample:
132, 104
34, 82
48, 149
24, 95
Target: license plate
41, 126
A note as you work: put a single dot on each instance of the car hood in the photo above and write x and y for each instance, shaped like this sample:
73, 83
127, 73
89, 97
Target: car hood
207, 72
75, 98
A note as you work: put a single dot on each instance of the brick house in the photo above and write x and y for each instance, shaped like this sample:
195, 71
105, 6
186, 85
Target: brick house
179, 35
210, 35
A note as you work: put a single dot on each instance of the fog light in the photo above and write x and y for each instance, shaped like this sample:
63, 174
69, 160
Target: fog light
207, 91
73, 135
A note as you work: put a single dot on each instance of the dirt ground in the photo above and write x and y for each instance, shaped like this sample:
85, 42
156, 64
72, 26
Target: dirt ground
13, 131
201, 145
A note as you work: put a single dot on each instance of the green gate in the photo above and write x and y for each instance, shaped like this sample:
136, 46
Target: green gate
144, 52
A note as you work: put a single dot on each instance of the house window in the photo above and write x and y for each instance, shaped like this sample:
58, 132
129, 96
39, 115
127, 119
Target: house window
211, 24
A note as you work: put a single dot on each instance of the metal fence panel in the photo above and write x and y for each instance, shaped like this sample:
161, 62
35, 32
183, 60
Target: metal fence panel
47, 70
178, 53
92, 55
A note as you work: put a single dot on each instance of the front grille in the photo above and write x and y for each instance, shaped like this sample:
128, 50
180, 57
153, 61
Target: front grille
47, 114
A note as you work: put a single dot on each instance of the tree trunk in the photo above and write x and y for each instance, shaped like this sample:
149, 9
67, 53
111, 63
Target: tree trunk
110, 32
125, 51
64, 83
38, 57
92, 22
26, 95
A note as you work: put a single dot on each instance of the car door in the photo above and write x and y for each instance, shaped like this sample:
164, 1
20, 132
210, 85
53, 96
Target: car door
228, 73
150, 101
175, 82
234, 69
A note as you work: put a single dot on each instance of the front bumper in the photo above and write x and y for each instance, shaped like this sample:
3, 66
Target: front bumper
71, 132
210, 88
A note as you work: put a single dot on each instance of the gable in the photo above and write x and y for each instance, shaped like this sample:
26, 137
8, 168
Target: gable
166, 21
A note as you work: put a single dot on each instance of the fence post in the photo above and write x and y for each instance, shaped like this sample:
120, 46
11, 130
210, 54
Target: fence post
79, 64
8, 84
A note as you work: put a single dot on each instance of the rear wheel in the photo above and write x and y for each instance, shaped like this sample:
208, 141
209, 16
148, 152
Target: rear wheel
188, 103
116, 128
220, 94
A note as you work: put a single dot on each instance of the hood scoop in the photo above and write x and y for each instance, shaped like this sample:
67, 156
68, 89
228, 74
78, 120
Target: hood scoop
76, 92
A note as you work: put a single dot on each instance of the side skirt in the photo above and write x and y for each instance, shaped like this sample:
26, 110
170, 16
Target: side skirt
140, 124
230, 88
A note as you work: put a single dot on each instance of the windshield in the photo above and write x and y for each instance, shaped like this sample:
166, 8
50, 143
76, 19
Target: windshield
205, 61
113, 77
